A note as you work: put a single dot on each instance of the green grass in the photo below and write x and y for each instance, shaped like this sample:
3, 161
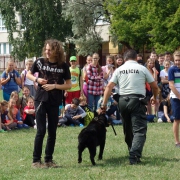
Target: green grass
1, 95
160, 159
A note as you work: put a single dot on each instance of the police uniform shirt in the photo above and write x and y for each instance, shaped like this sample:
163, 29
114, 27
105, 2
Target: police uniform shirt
131, 78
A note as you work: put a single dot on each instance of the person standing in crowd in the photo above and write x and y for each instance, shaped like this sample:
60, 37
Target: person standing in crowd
165, 90
154, 57
131, 77
10, 80
168, 57
161, 61
95, 82
140, 59
108, 69
76, 80
154, 72
54, 76
27, 82
174, 84
119, 60
85, 78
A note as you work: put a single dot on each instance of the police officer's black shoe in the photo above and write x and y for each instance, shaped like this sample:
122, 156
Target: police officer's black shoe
138, 160
134, 161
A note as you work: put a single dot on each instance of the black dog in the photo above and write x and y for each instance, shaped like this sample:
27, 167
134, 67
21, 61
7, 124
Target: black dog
92, 136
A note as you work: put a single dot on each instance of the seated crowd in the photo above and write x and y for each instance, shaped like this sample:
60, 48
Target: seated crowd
86, 94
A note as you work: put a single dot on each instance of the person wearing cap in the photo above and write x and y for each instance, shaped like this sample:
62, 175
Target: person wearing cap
76, 80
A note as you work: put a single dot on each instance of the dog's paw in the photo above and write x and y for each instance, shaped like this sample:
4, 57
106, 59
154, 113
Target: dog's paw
100, 158
93, 163
79, 160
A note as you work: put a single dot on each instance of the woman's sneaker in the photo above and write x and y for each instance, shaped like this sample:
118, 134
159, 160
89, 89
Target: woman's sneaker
50, 164
37, 165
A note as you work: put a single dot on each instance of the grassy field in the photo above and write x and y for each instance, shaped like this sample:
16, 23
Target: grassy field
1, 96
160, 159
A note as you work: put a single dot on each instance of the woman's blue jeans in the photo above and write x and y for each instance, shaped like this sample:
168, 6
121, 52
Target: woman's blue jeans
93, 101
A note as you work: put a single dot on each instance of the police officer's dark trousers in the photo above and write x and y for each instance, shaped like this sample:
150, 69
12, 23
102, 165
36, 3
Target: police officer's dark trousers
133, 113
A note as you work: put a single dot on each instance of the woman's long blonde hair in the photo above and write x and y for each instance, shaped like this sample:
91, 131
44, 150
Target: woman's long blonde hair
7, 69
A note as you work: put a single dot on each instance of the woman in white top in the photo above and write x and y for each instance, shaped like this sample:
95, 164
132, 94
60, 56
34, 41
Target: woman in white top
108, 69
164, 79
27, 82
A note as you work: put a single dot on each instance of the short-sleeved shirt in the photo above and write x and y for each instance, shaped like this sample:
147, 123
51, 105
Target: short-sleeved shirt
54, 74
131, 78
73, 112
95, 80
165, 103
11, 85
75, 77
174, 75
26, 80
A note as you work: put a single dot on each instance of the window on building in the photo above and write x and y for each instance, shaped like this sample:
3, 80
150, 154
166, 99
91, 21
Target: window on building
10, 48
4, 48
2, 26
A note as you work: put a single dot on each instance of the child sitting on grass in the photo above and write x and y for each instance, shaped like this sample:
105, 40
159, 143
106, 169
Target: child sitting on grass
7, 124
1, 130
29, 113
89, 114
23, 99
74, 113
14, 95
61, 118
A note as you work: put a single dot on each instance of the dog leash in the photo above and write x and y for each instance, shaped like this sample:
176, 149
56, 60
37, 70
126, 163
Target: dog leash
113, 129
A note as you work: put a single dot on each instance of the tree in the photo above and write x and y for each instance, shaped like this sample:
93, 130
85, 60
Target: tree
165, 20
153, 23
84, 16
41, 19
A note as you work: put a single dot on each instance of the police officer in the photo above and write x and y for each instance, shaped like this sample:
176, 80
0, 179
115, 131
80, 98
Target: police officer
131, 78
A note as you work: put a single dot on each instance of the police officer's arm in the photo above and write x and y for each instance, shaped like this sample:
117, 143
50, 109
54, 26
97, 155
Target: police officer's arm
107, 93
154, 88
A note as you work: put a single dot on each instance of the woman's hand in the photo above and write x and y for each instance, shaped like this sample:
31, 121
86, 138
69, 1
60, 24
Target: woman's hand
49, 87
154, 69
41, 81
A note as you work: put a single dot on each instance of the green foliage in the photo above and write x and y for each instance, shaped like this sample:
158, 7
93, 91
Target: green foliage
40, 20
84, 16
160, 159
136, 23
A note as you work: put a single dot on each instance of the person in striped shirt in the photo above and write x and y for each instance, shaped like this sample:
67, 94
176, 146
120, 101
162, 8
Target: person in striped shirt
174, 84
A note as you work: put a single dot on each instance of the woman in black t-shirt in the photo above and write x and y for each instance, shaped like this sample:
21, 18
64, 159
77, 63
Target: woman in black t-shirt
54, 76
165, 108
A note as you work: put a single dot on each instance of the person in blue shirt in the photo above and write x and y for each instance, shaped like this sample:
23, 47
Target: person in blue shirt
174, 84
10, 80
